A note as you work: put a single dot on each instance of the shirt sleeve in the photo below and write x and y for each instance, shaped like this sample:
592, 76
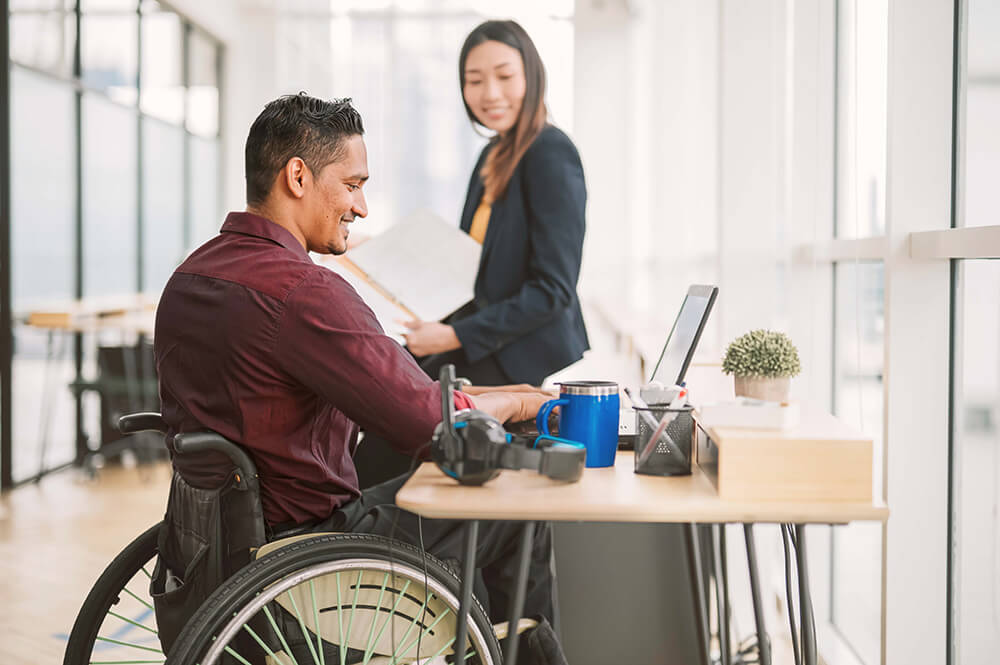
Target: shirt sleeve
555, 198
330, 341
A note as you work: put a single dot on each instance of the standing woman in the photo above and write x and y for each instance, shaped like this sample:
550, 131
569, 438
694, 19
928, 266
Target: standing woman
526, 205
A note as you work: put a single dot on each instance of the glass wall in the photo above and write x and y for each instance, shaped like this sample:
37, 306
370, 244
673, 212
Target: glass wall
859, 302
976, 493
113, 158
856, 549
43, 212
976, 372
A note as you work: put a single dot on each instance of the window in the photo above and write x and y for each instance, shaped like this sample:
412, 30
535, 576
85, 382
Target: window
146, 148
109, 197
859, 318
43, 34
856, 575
975, 493
162, 202
976, 500
109, 57
162, 64
43, 219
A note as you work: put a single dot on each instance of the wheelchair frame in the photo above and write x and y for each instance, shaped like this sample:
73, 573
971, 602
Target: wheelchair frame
240, 614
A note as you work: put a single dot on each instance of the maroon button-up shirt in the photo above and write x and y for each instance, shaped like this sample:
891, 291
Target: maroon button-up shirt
258, 343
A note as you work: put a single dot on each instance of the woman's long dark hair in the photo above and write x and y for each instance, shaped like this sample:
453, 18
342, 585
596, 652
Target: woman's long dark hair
509, 148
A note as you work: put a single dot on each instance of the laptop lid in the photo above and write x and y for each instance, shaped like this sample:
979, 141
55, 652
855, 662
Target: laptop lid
683, 339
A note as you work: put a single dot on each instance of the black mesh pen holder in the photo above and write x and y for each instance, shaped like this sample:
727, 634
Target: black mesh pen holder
670, 454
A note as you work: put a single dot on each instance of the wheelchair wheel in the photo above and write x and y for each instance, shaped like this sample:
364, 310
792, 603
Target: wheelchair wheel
336, 598
116, 622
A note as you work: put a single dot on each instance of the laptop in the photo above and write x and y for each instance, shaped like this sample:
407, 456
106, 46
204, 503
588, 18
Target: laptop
670, 368
678, 350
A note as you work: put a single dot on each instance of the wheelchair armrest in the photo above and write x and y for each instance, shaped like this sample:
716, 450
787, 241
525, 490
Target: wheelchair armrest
142, 422
197, 442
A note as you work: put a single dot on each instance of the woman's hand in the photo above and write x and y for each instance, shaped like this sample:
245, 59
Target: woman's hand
427, 337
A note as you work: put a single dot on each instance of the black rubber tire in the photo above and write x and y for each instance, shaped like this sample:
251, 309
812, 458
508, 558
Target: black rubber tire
245, 585
105, 594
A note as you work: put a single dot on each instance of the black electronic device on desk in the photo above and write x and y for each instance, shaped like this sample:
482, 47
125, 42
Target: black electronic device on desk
472, 446
675, 358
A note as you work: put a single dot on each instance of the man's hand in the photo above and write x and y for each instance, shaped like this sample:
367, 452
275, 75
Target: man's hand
510, 388
505, 406
427, 337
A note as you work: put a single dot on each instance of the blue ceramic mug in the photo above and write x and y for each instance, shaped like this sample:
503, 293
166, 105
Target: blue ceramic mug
588, 413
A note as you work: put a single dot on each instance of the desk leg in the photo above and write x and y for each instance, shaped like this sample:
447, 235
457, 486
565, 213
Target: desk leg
805, 599
520, 588
721, 591
82, 446
763, 643
698, 592
45, 424
468, 579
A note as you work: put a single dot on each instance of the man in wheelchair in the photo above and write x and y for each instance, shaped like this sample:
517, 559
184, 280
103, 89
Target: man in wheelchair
256, 342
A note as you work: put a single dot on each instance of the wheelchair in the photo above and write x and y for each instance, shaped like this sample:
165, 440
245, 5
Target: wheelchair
291, 599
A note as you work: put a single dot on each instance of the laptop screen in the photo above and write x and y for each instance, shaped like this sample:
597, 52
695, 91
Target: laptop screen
679, 349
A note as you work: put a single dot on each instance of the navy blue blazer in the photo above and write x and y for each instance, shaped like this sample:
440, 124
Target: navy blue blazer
526, 311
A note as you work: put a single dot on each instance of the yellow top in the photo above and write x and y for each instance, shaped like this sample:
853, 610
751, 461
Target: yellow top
480, 220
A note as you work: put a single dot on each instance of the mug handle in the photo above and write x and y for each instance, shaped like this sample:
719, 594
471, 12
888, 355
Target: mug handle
542, 419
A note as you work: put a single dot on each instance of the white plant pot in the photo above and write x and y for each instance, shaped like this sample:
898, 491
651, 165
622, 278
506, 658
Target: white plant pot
768, 389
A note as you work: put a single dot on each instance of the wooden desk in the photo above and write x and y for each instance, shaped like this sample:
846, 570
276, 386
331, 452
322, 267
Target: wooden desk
84, 315
617, 494
125, 314
611, 495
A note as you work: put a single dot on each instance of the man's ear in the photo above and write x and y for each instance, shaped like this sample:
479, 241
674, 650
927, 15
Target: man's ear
296, 175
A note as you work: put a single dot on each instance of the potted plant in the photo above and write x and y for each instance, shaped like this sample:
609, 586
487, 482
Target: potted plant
762, 363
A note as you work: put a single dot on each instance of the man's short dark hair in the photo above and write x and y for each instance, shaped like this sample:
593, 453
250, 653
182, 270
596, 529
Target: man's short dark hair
296, 126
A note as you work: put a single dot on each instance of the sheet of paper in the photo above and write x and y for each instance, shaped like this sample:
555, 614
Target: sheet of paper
388, 313
426, 264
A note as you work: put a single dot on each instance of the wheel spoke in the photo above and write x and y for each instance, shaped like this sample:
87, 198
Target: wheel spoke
445, 648
340, 622
392, 613
238, 657
143, 569
281, 635
126, 590
128, 644
350, 621
319, 629
134, 623
262, 643
302, 626
378, 606
426, 631
413, 622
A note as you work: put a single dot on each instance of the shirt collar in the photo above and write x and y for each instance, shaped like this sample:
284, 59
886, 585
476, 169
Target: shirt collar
250, 224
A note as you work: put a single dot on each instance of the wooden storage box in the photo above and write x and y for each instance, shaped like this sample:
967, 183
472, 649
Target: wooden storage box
820, 459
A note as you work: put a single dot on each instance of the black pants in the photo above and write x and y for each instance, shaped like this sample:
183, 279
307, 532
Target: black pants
375, 512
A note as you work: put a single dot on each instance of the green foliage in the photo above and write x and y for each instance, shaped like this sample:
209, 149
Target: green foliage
762, 353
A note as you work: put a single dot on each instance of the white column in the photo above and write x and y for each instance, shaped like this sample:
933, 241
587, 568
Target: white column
918, 198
